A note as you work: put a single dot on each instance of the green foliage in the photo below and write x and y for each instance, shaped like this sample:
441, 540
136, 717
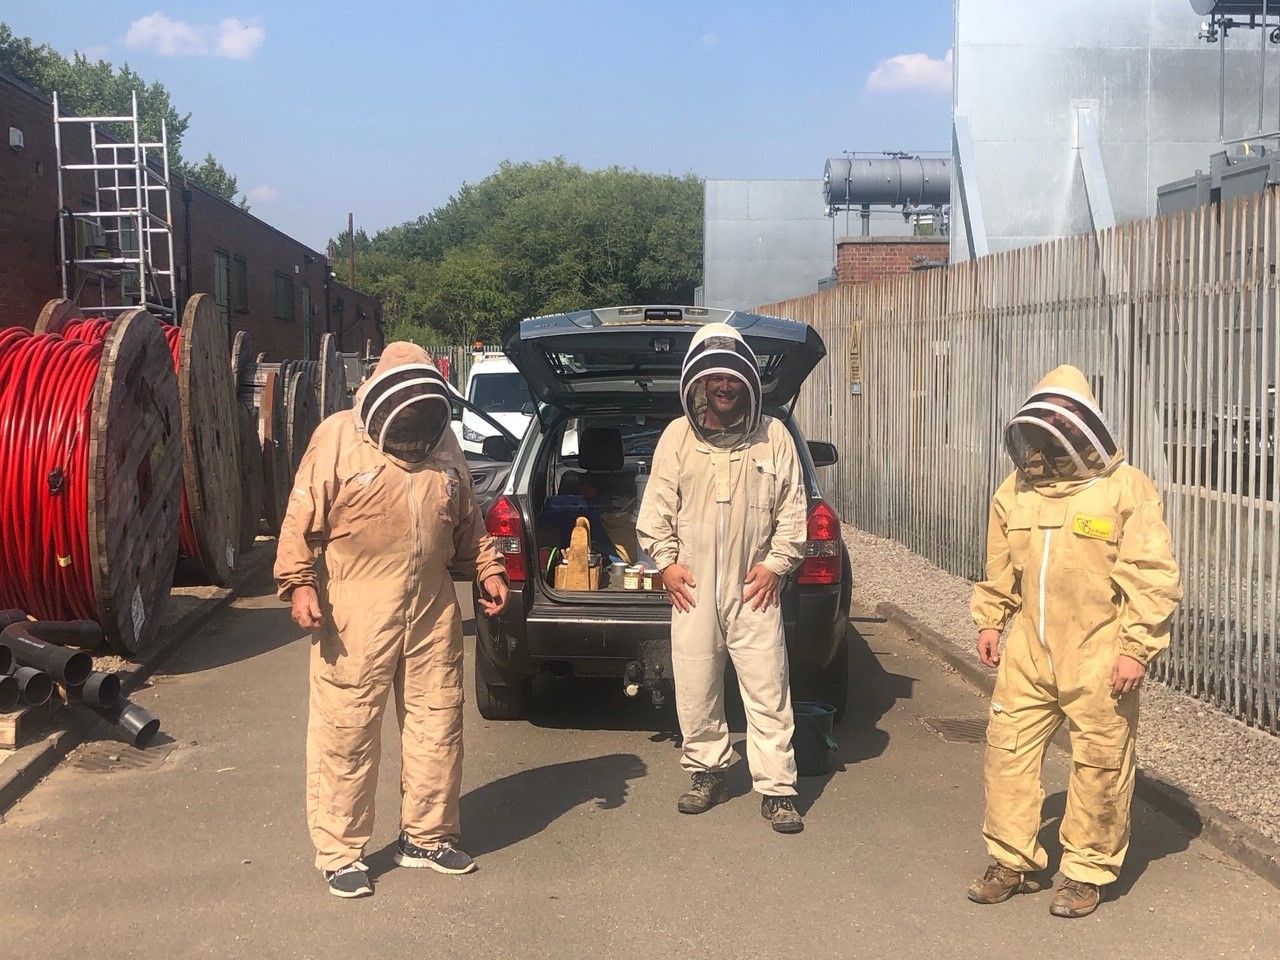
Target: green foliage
535, 238
96, 88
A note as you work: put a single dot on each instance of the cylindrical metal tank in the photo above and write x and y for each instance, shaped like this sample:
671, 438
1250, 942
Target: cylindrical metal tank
895, 181
1234, 8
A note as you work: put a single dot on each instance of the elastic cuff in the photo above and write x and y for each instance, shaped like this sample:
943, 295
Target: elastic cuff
1136, 651
778, 568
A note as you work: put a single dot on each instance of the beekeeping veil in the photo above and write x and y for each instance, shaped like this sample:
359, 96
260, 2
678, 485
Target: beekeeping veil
1059, 433
404, 408
719, 350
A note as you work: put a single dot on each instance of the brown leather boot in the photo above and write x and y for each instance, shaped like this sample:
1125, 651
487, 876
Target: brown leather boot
1075, 899
706, 790
1000, 883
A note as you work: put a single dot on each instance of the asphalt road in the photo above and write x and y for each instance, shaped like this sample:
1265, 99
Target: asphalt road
197, 846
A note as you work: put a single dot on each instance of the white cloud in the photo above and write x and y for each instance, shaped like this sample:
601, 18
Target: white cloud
709, 39
263, 194
914, 72
168, 37
233, 39
238, 40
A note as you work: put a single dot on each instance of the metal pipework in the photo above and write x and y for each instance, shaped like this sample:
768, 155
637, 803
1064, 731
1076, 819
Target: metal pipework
34, 686
9, 617
137, 723
893, 181
68, 633
69, 667
10, 693
100, 690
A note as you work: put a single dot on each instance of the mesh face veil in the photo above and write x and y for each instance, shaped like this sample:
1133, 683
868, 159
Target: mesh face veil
406, 410
720, 386
1059, 435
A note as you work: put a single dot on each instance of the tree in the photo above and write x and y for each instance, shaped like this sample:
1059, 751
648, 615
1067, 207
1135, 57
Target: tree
96, 88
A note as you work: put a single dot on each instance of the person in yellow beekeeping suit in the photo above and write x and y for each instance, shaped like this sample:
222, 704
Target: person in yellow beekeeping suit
1079, 559
381, 512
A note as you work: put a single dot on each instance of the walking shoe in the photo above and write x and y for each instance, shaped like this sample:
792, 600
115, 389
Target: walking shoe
1000, 883
705, 792
444, 857
782, 813
350, 881
1075, 899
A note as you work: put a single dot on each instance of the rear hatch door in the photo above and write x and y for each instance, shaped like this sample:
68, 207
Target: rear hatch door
630, 357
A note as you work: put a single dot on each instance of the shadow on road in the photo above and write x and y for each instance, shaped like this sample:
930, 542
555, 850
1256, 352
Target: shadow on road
873, 691
513, 808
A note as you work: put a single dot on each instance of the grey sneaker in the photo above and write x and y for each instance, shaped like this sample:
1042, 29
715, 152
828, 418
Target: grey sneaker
706, 790
350, 881
444, 857
782, 813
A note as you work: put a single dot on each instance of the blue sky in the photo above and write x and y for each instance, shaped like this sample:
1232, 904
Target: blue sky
387, 108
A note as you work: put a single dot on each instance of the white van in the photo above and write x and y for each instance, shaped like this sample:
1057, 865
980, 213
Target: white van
500, 390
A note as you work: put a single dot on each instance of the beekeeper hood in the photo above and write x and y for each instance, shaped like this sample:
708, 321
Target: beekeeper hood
1059, 433
718, 351
404, 408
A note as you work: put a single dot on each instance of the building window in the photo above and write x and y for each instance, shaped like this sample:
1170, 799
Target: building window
239, 285
284, 297
222, 285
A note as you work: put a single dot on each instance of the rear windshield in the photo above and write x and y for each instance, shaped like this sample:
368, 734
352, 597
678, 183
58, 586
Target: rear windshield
500, 392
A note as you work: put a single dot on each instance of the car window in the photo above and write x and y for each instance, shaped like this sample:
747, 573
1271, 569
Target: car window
500, 392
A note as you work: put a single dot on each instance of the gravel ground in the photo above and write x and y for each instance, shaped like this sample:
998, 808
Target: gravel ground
1182, 740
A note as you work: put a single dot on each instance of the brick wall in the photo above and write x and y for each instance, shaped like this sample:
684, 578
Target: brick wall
863, 259
204, 226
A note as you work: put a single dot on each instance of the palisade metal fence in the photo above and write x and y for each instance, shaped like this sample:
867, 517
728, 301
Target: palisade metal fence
1174, 322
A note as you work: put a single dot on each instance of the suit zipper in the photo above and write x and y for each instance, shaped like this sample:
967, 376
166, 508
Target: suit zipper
1044, 569
413, 554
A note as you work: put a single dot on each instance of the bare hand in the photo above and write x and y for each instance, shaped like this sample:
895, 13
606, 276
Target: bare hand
679, 584
1126, 675
761, 590
305, 608
493, 595
989, 647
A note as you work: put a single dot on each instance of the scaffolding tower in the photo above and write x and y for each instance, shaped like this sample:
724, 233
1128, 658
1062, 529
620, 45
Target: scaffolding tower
125, 238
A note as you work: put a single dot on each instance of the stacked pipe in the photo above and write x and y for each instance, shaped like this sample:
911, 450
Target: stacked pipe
89, 476
37, 654
210, 524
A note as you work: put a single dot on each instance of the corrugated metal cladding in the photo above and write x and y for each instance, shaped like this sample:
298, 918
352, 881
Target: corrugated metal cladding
768, 240
1137, 63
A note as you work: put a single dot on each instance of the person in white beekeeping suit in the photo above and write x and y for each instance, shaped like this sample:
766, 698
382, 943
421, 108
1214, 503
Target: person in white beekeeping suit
723, 517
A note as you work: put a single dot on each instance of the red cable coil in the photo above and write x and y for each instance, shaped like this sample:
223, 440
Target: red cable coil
46, 400
95, 330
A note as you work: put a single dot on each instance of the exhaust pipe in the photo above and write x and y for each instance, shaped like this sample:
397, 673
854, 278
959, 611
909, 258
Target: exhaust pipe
35, 687
70, 633
634, 680
69, 667
137, 723
100, 690
10, 693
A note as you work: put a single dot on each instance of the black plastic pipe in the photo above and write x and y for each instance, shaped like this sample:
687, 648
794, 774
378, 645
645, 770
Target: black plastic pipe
6, 661
69, 633
10, 693
137, 723
69, 667
8, 617
100, 690
34, 686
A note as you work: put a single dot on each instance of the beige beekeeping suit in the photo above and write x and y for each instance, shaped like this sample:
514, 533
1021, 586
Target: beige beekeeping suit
718, 505
1079, 558
377, 536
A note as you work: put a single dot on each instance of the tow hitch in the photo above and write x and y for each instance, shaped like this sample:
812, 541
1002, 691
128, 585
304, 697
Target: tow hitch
635, 679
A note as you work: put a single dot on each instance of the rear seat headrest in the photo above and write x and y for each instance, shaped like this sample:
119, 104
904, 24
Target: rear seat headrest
600, 450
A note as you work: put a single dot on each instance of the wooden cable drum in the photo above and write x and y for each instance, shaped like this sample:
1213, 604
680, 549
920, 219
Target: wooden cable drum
242, 368
253, 488
211, 470
301, 418
134, 475
277, 476
333, 378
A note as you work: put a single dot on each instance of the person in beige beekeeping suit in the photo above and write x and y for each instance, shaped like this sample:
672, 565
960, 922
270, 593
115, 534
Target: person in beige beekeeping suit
1078, 550
723, 517
382, 509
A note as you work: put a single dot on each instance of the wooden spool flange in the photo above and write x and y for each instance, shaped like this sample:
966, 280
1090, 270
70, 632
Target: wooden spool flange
333, 378
135, 480
301, 419
253, 486
242, 368
211, 471
277, 477
56, 315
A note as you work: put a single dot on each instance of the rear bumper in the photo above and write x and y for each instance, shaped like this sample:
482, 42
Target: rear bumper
600, 639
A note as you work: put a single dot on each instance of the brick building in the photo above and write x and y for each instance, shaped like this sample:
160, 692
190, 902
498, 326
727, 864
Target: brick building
863, 259
263, 281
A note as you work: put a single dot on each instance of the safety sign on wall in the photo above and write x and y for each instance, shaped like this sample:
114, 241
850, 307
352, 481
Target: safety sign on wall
855, 360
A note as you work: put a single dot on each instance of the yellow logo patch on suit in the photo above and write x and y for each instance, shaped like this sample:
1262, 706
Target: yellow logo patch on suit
1095, 528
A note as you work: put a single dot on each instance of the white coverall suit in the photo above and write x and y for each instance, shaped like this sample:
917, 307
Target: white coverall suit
1079, 558
377, 537
718, 506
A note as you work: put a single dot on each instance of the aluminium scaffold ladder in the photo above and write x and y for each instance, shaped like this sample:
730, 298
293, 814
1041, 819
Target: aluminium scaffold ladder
127, 232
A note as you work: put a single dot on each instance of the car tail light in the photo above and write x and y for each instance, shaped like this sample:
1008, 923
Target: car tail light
821, 562
506, 526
